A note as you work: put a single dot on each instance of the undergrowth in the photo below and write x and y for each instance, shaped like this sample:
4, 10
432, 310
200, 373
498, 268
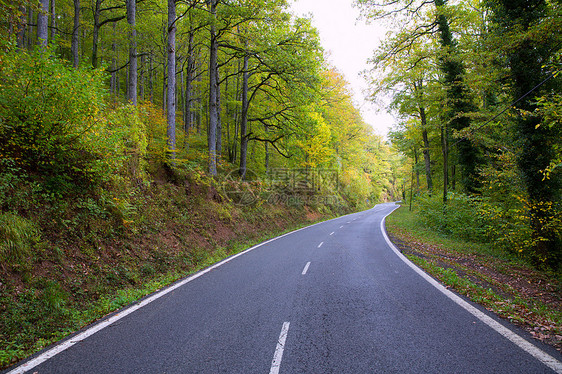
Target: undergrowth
503, 282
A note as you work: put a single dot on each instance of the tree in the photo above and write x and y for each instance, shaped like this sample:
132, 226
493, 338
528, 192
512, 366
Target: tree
75, 44
171, 108
97, 11
53, 14
213, 87
279, 65
244, 120
526, 50
427, 21
459, 100
131, 19
43, 23
412, 76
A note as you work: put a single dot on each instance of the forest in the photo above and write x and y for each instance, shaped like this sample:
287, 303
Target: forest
476, 87
247, 78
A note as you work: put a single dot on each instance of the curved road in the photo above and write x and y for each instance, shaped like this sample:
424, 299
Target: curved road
334, 297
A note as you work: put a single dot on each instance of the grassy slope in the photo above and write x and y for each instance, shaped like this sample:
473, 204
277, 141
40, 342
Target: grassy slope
499, 281
89, 263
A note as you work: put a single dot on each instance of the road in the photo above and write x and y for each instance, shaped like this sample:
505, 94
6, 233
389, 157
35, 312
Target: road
330, 298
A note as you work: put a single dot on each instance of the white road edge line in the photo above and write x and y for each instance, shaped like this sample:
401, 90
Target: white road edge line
320, 245
278, 355
305, 268
539, 354
64, 345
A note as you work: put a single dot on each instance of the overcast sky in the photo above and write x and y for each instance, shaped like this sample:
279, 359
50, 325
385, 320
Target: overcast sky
349, 43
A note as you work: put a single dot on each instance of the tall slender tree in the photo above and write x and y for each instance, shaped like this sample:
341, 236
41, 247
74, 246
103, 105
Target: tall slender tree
244, 120
75, 44
43, 23
171, 93
21, 25
133, 73
53, 14
213, 87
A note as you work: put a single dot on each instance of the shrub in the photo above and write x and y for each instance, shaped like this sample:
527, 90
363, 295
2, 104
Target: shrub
510, 229
17, 236
460, 217
46, 108
119, 135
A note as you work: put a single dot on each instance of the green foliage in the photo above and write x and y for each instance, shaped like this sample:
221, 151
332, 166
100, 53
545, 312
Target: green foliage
56, 129
550, 108
17, 237
511, 230
46, 109
121, 140
457, 218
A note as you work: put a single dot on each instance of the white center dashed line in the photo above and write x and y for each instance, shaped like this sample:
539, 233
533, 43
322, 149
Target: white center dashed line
278, 355
320, 245
305, 268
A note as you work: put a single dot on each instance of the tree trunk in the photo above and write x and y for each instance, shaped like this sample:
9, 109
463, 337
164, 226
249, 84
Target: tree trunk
227, 116
181, 95
133, 77
126, 97
199, 111
53, 20
426, 155
445, 150
219, 120
95, 33
266, 150
244, 121
171, 112
236, 121
43, 24
416, 169
82, 42
117, 80
75, 40
151, 78
213, 109
113, 82
21, 28
188, 118
187, 100
30, 24
411, 189
142, 78
164, 88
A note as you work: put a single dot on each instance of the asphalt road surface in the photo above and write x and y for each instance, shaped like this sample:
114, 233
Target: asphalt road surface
331, 298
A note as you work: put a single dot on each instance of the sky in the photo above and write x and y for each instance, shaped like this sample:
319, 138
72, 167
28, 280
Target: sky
349, 44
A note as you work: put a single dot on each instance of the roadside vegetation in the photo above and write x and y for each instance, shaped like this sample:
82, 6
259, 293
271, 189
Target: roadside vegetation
475, 87
502, 281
